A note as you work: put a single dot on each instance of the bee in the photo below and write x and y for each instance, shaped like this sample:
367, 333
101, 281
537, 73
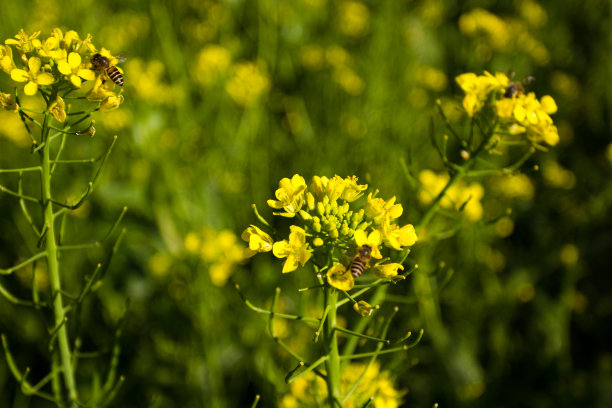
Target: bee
516, 88
361, 260
102, 64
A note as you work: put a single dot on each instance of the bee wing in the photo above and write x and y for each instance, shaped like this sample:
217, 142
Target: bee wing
121, 57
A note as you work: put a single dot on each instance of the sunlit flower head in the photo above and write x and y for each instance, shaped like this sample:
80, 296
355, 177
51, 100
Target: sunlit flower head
57, 108
258, 240
248, 83
383, 211
388, 271
289, 196
363, 308
32, 76
296, 250
75, 69
340, 277
396, 237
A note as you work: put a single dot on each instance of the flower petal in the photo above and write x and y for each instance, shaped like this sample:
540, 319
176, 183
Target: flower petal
74, 59
19, 75
45, 79
31, 88
64, 68
34, 64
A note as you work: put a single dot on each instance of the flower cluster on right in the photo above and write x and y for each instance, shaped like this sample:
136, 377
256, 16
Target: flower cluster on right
332, 222
517, 112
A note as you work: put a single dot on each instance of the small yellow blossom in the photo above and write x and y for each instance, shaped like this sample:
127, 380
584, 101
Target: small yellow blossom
477, 89
6, 59
73, 68
49, 48
363, 308
459, 196
396, 237
295, 250
24, 42
247, 84
192, 242
352, 190
258, 240
354, 18
111, 103
290, 196
57, 108
383, 211
332, 188
388, 271
33, 76
340, 278
369, 380
213, 61
373, 240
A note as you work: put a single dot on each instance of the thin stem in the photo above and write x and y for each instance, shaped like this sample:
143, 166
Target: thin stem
333, 361
53, 268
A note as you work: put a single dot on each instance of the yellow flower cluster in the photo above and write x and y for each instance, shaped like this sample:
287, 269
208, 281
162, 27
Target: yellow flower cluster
334, 222
60, 62
517, 112
220, 250
460, 196
311, 391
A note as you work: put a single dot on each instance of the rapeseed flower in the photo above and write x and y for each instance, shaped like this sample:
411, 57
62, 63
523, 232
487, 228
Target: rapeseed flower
290, 196
330, 223
75, 70
32, 76
258, 240
45, 64
296, 249
311, 391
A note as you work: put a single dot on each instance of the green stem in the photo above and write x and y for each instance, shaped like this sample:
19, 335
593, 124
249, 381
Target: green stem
53, 268
333, 361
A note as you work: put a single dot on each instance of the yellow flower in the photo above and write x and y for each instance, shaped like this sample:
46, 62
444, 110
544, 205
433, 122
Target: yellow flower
50, 49
33, 76
295, 250
388, 271
372, 240
340, 278
7, 102
396, 237
111, 102
332, 188
247, 84
192, 242
363, 308
290, 196
213, 60
258, 240
477, 89
6, 59
458, 195
352, 190
73, 68
25, 42
354, 18
57, 109
383, 211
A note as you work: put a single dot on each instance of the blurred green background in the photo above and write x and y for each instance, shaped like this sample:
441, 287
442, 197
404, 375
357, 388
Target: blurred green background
223, 99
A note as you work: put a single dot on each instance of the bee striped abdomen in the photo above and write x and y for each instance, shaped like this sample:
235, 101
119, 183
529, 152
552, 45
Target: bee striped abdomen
114, 74
357, 267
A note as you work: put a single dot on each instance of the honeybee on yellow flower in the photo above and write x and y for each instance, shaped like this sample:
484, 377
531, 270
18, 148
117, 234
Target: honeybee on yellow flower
103, 64
361, 260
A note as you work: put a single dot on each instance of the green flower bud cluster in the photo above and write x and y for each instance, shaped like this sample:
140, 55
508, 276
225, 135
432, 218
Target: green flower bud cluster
334, 222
